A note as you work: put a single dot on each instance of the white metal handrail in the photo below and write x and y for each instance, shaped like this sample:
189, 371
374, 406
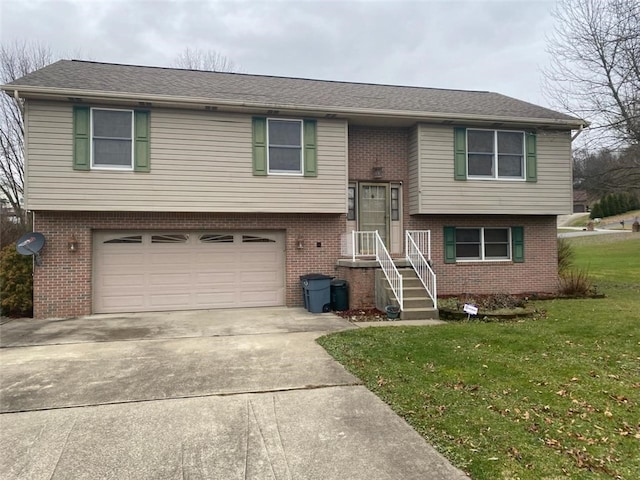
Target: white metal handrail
425, 273
422, 239
390, 270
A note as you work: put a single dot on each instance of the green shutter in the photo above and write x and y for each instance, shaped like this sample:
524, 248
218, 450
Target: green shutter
81, 138
141, 134
259, 146
449, 244
517, 244
460, 153
532, 167
310, 150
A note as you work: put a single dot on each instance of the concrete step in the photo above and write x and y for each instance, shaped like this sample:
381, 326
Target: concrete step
411, 282
416, 291
419, 314
418, 302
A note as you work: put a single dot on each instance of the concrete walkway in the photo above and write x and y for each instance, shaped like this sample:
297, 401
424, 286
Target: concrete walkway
235, 394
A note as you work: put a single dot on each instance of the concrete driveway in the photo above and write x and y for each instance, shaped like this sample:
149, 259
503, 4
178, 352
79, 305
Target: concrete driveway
225, 394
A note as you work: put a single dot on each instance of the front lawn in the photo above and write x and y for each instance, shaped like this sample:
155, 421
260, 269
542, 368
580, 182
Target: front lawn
557, 397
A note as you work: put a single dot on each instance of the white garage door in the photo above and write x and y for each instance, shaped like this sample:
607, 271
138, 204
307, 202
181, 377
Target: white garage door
156, 271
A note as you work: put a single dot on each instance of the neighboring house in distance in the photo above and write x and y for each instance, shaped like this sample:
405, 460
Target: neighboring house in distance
580, 201
186, 189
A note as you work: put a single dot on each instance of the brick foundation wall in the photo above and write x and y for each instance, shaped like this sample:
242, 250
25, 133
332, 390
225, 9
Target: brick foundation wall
361, 286
62, 284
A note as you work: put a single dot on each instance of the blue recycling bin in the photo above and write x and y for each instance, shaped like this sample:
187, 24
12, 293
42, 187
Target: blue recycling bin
316, 292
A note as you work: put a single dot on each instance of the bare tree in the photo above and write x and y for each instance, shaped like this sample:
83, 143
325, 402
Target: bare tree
209, 60
595, 67
16, 60
605, 171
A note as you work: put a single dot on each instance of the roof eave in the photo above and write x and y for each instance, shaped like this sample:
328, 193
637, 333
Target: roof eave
27, 91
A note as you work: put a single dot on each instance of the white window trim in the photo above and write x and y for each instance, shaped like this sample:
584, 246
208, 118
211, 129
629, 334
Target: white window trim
281, 172
113, 167
495, 176
482, 257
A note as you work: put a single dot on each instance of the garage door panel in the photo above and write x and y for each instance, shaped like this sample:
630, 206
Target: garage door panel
178, 259
177, 301
212, 279
125, 259
187, 270
259, 280
133, 302
216, 299
157, 280
123, 280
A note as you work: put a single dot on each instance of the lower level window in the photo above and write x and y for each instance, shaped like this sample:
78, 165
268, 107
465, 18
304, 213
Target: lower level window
483, 244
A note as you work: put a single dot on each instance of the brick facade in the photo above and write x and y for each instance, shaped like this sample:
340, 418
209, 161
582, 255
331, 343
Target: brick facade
62, 284
537, 274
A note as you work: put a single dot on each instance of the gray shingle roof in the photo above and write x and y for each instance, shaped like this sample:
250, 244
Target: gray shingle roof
278, 92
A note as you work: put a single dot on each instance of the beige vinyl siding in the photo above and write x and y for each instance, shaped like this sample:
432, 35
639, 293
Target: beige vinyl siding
200, 162
414, 171
441, 194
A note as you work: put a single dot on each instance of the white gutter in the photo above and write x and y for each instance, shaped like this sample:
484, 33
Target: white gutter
200, 101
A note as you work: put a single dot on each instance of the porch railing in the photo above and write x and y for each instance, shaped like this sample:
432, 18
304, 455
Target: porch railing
359, 244
390, 270
414, 247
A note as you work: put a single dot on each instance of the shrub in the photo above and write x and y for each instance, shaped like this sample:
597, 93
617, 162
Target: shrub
16, 283
565, 256
576, 282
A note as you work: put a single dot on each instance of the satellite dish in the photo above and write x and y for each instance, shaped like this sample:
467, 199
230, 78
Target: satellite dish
31, 244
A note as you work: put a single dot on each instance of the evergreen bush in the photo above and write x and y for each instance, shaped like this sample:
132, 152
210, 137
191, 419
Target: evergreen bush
16, 283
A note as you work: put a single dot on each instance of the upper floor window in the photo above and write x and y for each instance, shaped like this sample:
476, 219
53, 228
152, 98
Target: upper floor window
285, 146
481, 154
112, 138
495, 154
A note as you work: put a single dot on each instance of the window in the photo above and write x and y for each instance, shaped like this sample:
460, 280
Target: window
484, 244
111, 138
170, 238
395, 203
285, 146
495, 154
351, 202
216, 238
127, 239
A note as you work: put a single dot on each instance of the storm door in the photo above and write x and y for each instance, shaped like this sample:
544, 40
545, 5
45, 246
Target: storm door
374, 209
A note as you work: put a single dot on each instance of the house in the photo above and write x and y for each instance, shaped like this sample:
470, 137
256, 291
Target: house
165, 189
581, 201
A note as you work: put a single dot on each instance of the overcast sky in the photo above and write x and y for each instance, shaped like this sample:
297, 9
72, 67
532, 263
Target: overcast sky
472, 44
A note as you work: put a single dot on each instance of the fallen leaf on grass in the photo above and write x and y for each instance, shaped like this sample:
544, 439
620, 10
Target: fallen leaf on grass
513, 451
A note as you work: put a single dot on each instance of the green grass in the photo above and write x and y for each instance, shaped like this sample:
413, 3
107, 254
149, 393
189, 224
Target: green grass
557, 397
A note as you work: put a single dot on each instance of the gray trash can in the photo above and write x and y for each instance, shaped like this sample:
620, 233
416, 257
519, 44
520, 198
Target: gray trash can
316, 292
339, 295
